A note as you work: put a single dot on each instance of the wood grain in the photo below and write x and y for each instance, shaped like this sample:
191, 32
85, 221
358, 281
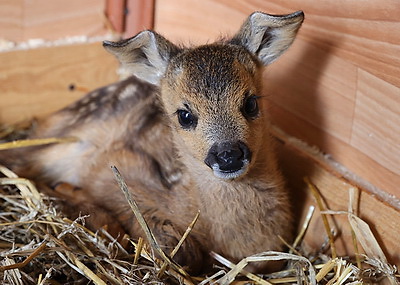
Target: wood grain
357, 162
315, 86
36, 82
344, 50
381, 217
376, 128
21, 20
196, 22
11, 20
140, 16
115, 10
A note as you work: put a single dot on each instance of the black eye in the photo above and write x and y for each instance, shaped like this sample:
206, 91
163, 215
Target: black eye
250, 107
186, 119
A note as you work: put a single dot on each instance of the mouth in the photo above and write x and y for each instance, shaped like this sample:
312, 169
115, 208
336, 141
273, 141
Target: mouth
231, 173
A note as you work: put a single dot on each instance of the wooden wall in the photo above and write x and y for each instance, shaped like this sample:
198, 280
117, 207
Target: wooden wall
39, 81
338, 87
21, 20
35, 81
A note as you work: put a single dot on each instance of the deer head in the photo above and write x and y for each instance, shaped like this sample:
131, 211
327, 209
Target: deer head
211, 92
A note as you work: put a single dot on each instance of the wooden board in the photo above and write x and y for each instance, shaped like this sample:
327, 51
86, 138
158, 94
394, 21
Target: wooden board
140, 16
358, 163
329, 102
338, 86
21, 20
11, 15
37, 82
383, 218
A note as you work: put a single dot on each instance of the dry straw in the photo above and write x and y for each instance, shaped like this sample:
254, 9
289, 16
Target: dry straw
39, 245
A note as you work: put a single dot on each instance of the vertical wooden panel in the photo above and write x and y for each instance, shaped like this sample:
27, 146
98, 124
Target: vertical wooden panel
115, 11
140, 16
377, 121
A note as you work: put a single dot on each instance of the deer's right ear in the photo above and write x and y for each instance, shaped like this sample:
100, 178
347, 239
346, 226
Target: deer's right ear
145, 55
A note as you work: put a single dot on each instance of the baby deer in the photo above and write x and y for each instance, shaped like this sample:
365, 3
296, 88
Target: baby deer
189, 131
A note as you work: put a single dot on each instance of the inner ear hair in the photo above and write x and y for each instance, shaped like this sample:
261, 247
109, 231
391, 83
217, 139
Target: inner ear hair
268, 36
145, 55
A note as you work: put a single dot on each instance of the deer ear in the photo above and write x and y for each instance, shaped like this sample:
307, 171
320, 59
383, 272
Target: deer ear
268, 36
145, 55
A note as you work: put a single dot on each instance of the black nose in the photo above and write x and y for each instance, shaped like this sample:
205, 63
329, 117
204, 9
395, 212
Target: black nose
228, 156
230, 159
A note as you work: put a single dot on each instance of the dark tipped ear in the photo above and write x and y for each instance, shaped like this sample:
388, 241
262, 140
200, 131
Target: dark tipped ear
268, 36
145, 55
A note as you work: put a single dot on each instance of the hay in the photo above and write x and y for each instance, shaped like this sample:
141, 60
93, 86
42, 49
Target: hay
39, 245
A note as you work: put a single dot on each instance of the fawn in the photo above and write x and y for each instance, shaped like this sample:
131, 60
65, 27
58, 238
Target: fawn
189, 132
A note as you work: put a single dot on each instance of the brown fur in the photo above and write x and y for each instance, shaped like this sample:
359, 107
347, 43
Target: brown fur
133, 124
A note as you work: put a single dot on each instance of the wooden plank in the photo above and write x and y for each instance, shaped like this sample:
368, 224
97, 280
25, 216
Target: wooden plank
356, 161
36, 82
382, 218
370, 39
115, 11
377, 121
196, 22
21, 20
131, 16
57, 18
314, 85
11, 20
140, 16
366, 33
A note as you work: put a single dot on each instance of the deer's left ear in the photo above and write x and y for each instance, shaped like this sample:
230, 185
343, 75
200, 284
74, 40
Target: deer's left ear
268, 36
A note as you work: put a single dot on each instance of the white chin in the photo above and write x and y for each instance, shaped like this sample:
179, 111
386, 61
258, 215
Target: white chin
230, 175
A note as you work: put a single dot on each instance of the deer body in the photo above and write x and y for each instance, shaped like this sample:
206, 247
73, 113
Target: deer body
188, 132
